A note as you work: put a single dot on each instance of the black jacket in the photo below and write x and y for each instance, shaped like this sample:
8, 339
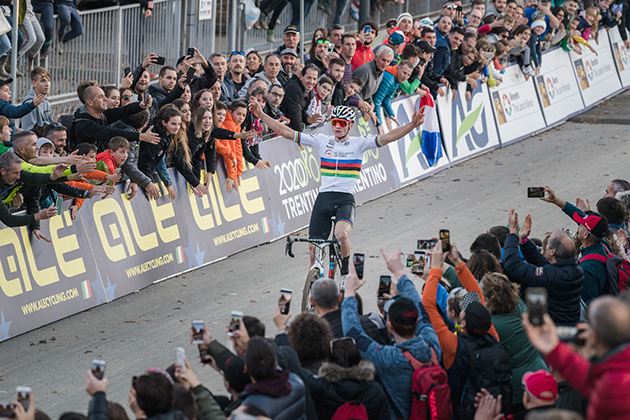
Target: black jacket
162, 97
152, 154
295, 103
28, 179
338, 95
336, 385
198, 147
97, 409
87, 128
563, 280
334, 320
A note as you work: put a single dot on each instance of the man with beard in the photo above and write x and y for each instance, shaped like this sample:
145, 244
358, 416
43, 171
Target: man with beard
235, 77
364, 53
288, 60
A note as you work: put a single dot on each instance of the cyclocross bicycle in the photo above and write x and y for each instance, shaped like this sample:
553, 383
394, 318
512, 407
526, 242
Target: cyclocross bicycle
318, 270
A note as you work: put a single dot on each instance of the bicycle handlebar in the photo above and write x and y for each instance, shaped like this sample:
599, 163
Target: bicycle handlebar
288, 249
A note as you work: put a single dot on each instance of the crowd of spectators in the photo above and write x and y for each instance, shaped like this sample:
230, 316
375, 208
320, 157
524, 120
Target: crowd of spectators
461, 346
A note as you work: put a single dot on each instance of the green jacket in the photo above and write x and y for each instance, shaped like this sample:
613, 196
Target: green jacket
595, 274
523, 356
207, 406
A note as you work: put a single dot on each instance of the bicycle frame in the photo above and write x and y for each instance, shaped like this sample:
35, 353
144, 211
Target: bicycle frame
320, 244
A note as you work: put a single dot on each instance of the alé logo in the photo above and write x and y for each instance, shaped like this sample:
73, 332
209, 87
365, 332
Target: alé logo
469, 122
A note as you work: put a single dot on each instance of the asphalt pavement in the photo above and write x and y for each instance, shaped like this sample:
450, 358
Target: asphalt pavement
142, 330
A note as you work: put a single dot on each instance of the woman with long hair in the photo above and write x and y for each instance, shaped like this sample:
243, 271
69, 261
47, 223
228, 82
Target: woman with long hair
320, 33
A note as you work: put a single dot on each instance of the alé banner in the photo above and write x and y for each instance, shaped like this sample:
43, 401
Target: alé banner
621, 55
468, 127
516, 106
557, 87
596, 73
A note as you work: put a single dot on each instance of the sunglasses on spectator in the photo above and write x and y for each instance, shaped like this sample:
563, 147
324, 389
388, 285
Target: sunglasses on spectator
450, 6
126, 97
54, 124
335, 341
323, 41
338, 123
238, 53
457, 291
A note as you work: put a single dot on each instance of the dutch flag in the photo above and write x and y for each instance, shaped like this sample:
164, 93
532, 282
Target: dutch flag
431, 142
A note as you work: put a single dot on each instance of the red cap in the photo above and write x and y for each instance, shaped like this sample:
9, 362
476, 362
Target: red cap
541, 384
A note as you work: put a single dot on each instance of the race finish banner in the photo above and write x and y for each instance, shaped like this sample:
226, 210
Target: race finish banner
516, 107
621, 55
596, 74
468, 127
558, 89
42, 282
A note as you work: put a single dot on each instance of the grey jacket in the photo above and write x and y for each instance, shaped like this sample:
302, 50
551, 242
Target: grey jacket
130, 167
371, 77
41, 113
243, 92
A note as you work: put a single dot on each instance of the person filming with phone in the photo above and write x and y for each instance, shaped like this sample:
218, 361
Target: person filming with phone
607, 347
556, 270
341, 159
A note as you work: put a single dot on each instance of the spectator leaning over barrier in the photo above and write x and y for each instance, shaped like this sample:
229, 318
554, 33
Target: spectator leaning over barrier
272, 68
12, 111
298, 96
11, 176
557, 270
409, 325
274, 99
364, 53
325, 299
68, 13
336, 74
392, 78
335, 34
592, 228
91, 122
371, 75
40, 82
606, 346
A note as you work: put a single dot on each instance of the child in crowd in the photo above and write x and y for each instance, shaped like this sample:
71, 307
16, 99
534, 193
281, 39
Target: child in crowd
12, 111
497, 67
589, 23
113, 158
323, 88
350, 88
577, 38
538, 28
521, 50
40, 83
234, 157
5, 134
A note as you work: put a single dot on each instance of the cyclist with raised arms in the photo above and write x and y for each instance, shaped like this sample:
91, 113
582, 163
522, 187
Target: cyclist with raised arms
341, 158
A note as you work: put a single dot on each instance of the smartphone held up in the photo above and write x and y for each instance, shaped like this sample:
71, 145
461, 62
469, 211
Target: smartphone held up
98, 368
536, 301
236, 318
284, 303
198, 328
359, 260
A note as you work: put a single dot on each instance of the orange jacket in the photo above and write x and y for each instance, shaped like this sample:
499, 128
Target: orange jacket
84, 186
231, 149
448, 340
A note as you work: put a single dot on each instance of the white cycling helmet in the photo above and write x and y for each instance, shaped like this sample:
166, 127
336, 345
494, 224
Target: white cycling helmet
343, 112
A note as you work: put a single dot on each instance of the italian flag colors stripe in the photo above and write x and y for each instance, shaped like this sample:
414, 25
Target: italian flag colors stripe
265, 225
180, 254
87, 290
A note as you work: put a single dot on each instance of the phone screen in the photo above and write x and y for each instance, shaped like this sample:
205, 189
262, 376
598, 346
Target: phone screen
6, 410
383, 286
98, 368
427, 243
235, 322
23, 393
160, 61
445, 237
536, 300
284, 303
421, 260
197, 331
535, 192
59, 204
367, 29
359, 259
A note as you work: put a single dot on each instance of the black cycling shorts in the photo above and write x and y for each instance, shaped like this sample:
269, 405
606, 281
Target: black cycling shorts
329, 204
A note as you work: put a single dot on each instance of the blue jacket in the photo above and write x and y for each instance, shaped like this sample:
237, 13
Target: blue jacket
385, 93
12, 111
287, 407
392, 366
442, 56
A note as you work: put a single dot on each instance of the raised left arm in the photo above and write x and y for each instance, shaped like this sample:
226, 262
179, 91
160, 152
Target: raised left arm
400, 132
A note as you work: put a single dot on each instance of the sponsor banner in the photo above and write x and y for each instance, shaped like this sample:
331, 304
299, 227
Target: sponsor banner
558, 89
468, 127
596, 74
41, 282
516, 107
408, 154
621, 55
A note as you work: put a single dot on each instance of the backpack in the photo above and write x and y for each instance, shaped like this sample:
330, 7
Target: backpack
618, 270
490, 369
351, 410
431, 395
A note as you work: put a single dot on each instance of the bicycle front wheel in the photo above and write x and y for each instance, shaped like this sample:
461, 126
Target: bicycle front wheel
311, 277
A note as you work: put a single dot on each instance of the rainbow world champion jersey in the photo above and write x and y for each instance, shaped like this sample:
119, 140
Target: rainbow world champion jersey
340, 161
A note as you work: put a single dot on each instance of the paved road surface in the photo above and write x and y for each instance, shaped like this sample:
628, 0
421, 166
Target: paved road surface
142, 330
